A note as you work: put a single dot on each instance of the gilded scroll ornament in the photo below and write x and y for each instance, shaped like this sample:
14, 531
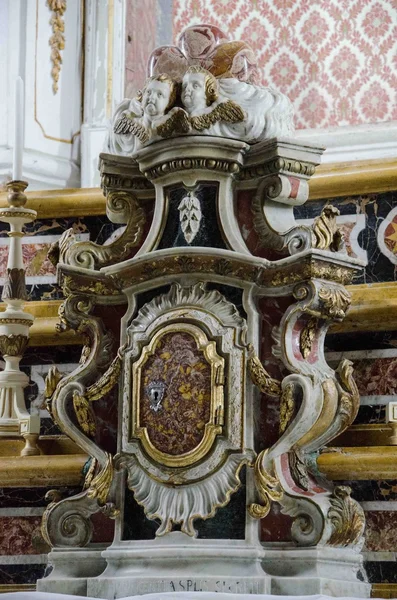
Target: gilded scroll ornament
13, 345
336, 301
260, 377
287, 406
57, 40
326, 235
307, 336
267, 485
347, 518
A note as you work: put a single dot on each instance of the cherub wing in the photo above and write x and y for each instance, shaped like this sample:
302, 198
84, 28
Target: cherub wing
228, 111
127, 124
177, 121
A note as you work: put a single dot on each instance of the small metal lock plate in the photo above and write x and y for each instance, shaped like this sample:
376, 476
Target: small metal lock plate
155, 392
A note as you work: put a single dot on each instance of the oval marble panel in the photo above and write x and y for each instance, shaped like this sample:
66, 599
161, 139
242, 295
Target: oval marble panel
179, 374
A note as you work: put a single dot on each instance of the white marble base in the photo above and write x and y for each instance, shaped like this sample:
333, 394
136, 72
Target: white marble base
71, 568
181, 564
306, 571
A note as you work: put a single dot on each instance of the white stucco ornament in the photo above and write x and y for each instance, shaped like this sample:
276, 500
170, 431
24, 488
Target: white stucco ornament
199, 97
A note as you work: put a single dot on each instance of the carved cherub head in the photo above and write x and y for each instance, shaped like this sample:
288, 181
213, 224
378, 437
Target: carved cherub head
199, 89
158, 96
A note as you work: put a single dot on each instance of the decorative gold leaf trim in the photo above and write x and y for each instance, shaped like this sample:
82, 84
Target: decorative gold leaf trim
57, 40
347, 518
260, 377
307, 337
100, 485
326, 235
336, 301
266, 485
287, 406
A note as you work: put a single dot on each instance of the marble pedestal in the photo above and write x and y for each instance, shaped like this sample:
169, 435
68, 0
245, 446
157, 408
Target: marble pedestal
302, 571
180, 564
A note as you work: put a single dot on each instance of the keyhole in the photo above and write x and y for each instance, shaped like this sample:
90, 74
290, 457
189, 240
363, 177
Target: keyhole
156, 394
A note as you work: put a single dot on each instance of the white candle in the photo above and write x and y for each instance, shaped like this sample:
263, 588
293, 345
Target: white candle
19, 129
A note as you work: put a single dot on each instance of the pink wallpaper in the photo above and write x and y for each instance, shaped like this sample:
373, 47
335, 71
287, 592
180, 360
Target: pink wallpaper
335, 59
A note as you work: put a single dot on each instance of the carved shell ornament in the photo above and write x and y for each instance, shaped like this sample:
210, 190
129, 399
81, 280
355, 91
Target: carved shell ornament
211, 91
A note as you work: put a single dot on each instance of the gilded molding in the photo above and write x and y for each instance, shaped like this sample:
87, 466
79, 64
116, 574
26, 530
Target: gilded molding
57, 40
210, 164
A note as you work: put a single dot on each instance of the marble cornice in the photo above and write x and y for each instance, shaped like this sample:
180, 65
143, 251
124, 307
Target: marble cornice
330, 180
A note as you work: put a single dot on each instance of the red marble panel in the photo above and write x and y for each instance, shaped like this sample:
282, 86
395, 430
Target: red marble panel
178, 426
376, 376
381, 531
276, 527
21, 535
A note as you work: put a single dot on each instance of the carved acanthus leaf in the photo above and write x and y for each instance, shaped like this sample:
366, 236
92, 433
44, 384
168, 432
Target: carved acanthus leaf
287, 406
347, 518
13, 344
14, 285
268, 487
298, 469
336, 301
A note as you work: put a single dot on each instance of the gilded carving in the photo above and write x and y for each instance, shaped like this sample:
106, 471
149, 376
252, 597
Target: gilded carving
268, 487
349, 396
57, 40
307, 336
81, 403
347, 518
275, 166
13, 345
260, 377
326, 235
99, 487
51, 381
335, 301
287, 406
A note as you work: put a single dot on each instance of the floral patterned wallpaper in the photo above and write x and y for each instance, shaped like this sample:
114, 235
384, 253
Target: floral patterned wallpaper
335, 59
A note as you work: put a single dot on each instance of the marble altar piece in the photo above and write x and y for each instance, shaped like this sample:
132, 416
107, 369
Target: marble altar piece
182, 354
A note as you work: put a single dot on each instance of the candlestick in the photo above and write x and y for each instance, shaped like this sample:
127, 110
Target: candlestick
19, 130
